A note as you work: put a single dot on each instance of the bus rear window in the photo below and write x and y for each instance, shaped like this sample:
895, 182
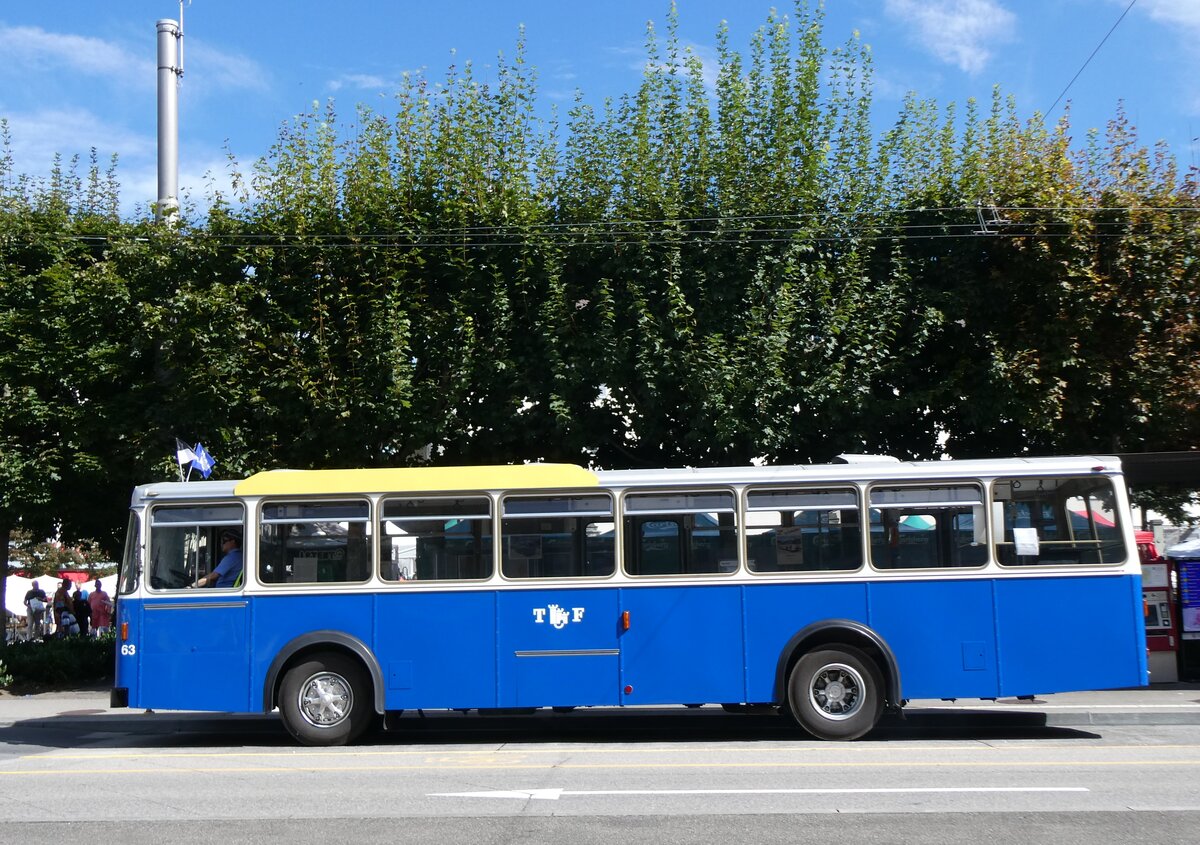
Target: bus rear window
1053, 521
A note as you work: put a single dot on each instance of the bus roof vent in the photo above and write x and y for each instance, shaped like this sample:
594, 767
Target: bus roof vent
867, 459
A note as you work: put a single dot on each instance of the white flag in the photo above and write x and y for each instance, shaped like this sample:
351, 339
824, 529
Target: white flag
183, 452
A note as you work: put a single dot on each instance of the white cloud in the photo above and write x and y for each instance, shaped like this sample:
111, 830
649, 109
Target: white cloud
1180, 20
884, 87
198, 174
709, 64
1182, 12
31, 47
221, 70
959, 32
37, 136
362, 81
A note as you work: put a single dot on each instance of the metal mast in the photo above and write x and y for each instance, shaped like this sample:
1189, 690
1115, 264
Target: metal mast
170, 69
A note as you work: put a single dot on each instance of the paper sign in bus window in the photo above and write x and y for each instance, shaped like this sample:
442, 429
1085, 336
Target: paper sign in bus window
1026, 541
304, 570
789, 545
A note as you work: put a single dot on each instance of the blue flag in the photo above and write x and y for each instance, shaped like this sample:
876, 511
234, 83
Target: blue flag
202, 460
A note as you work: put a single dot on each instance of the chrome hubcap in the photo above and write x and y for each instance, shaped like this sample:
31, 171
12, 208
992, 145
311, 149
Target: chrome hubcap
325, 699
836, 691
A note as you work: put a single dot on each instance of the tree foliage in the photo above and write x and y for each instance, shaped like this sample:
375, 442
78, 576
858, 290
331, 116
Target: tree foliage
726, 264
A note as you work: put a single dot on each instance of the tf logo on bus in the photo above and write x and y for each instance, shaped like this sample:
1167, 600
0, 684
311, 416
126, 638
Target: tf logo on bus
558, 615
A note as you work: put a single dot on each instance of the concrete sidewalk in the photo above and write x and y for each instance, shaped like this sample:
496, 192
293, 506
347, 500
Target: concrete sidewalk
87, 711
1159, 704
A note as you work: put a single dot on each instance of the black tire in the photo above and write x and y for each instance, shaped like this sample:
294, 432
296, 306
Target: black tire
326, 700
836, 693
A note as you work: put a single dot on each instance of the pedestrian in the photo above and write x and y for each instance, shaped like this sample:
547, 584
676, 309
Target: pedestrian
35, 613
83, 610
102, 608
67, 625
62, 603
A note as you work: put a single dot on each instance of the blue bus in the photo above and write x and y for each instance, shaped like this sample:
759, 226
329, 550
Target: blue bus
831, 592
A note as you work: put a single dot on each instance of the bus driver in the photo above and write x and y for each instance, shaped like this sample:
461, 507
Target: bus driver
229, 570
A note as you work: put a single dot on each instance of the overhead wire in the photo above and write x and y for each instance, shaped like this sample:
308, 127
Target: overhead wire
1089, 58
838, 227
783, 237
814, 227
632, 225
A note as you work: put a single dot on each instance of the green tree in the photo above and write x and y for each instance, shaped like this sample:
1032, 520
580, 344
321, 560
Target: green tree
721, 265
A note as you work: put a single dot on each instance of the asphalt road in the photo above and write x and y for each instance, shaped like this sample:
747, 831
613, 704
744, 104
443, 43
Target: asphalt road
658, 778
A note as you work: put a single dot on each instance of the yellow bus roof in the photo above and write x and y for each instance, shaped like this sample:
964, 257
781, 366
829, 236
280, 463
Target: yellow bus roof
285, 482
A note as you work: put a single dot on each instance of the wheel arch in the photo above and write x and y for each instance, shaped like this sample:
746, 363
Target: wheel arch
316, 641
843, 632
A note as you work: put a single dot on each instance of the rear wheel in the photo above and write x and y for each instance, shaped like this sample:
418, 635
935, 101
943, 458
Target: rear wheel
836, 693
326, 700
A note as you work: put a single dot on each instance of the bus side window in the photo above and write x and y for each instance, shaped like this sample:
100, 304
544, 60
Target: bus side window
807, 529
653, 547
926, 526
314, 542
680, 533
562, 536
436, 538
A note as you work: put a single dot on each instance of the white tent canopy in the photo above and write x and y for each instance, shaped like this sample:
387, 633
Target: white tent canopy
18, 586
1187, 548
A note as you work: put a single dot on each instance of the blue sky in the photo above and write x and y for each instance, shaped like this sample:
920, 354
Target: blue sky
77, 75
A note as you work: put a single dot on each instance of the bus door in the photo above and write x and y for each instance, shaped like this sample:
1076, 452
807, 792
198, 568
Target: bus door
193, 641
557, 646
682, 632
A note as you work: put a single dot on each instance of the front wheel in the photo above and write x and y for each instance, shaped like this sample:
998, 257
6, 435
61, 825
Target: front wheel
836, 693
326, 700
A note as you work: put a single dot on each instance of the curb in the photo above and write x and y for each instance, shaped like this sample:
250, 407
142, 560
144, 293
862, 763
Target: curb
933, 719
151, 723
918, 719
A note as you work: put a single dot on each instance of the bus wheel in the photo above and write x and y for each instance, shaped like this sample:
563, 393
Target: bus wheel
325, 700
836, 693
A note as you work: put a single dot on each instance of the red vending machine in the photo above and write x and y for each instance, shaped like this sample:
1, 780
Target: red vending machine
1162, 631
